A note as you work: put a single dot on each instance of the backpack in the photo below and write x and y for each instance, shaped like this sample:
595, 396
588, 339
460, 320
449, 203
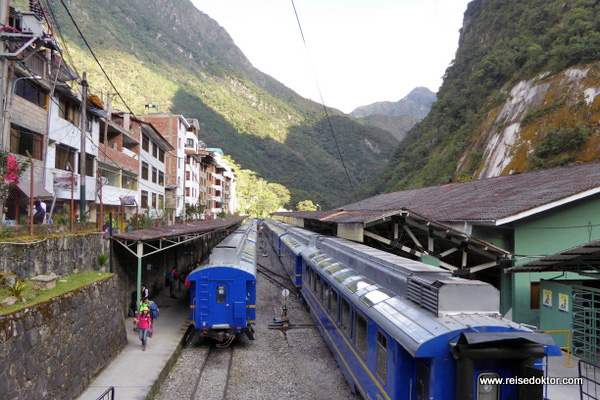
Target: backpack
154, 309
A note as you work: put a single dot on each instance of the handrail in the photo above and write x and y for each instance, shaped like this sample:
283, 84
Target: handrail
110, 392
568, 347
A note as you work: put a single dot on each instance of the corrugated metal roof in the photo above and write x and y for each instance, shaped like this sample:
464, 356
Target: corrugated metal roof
481, 200
170, 231
489, 199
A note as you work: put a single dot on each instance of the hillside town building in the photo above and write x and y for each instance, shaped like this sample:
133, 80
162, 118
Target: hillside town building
134, 164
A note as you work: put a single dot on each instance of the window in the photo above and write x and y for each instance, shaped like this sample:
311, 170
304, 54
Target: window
110, 178
154, 150
154, 175
65, 156
360, 333
144, 199
318, 287
381, 356
28, 90
422, 381
487, 391
190, 143
161, 178
146, 143
69, 111
345, 316
334, 305
221, 294
23, 141
187, 191
89, 165
128, 182
179, 143
534, 293
187, 175
153, 200
144, 170
161, 201
161, 155
325, 294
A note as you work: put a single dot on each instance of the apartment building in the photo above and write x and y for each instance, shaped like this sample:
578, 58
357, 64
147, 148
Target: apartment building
174, 128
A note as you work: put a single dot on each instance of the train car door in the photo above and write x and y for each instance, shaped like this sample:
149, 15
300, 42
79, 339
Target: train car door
221, 307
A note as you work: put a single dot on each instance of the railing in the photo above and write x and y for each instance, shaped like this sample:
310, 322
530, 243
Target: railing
109, 394
589, 386
567, 347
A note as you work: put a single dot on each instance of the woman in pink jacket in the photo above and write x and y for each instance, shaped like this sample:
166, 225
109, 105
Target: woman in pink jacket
143, 323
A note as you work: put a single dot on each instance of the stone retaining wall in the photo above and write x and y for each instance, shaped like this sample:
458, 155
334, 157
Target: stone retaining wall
61, 255
53, 350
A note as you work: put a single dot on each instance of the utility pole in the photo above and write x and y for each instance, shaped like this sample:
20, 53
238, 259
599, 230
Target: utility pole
5, 84
82, 154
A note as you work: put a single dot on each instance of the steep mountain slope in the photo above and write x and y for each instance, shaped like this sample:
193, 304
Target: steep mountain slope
166, 52
521, 94
417, 103
398, 126
397, 117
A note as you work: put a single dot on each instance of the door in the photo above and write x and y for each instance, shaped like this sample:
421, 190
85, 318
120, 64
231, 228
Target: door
221, 307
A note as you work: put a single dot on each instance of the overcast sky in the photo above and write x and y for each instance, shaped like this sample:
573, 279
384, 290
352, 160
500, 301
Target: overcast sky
359, 51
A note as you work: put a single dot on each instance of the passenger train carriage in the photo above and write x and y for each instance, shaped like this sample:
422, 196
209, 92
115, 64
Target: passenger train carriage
275, 231
401, 329
223, 291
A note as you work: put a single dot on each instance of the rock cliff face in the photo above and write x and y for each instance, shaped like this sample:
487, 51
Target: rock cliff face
521, 94
510, 137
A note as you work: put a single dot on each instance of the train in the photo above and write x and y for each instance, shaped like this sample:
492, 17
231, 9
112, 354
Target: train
223, 290
402, 329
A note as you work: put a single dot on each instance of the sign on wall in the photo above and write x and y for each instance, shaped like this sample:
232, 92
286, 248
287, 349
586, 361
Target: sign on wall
563, 302
547, 298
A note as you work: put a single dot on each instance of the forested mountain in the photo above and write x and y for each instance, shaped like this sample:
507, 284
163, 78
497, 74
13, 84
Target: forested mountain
522, 93
166, 52
397, 117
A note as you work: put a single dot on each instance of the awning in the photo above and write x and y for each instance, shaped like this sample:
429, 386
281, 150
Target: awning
584, 258
39, 192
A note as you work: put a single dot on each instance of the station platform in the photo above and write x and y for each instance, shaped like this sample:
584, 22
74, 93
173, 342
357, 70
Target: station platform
557, 368
133, 372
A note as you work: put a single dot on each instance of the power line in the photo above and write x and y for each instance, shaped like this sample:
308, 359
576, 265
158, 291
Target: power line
325, 109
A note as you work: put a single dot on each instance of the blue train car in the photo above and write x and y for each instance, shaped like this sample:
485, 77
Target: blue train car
223, 291
401, 329
275, 231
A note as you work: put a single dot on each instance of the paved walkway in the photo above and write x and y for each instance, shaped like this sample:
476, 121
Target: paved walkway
557, 369
133, 371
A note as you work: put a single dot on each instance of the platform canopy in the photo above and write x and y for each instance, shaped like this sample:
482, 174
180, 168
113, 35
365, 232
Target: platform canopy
144, 242
406, 233
583, 259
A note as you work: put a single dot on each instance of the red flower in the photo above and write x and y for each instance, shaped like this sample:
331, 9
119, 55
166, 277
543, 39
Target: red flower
12, 170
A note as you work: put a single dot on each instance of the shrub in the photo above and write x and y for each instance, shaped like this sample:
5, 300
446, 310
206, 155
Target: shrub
17, 288
102, 259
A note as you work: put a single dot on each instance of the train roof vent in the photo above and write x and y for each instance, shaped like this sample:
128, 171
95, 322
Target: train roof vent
423, 293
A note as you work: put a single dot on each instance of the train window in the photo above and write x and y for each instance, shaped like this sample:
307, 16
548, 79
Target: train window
325, 294
486, 390
345, 316
221, 294
381, 356
318, 286
334, 305
360, 332
422, 381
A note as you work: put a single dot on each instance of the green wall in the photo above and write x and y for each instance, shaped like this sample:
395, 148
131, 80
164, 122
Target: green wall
551, 317
548, 233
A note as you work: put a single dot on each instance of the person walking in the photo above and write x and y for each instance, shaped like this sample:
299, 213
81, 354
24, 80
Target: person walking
144, 292
143, 323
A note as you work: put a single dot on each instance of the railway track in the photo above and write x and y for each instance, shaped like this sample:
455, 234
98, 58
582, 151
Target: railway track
267, 273
213, 380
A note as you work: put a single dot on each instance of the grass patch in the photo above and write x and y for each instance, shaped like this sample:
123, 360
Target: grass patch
35, 294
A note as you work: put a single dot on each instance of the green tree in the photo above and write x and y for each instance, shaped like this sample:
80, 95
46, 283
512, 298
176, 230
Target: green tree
306, 205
